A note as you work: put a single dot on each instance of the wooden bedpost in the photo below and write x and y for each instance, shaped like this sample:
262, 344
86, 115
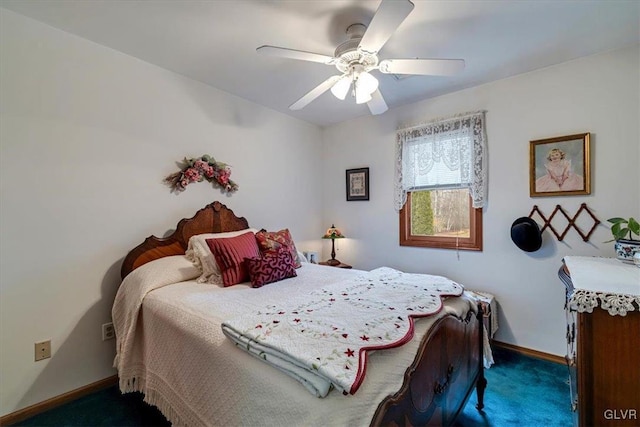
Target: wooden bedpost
481, 383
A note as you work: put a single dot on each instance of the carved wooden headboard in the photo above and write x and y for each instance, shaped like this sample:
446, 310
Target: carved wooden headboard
213, 218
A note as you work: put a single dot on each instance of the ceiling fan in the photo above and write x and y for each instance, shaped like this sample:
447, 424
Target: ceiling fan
358, 56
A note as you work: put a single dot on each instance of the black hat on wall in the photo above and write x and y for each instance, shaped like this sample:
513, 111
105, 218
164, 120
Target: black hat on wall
526, 234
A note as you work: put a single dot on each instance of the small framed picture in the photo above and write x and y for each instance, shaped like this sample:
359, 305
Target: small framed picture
560, 166
357, 184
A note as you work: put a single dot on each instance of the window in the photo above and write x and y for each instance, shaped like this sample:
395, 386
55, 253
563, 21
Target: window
440, 183
441, 219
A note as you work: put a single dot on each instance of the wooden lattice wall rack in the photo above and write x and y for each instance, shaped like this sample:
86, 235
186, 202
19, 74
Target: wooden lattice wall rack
572, 221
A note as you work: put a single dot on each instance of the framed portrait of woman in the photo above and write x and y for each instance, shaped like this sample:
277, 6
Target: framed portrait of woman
560, 166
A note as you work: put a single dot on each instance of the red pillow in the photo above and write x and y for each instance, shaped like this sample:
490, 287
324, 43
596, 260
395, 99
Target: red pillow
270, 240
230, 254
273, 266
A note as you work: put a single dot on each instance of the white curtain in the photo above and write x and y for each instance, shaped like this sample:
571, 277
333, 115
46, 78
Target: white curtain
444, 154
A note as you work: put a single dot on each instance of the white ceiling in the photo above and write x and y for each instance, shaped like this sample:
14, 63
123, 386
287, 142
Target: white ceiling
214, 41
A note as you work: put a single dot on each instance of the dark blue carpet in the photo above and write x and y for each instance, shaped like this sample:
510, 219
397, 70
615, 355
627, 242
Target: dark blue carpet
521, 391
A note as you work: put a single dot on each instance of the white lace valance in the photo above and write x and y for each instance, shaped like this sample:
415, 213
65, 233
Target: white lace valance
443, 154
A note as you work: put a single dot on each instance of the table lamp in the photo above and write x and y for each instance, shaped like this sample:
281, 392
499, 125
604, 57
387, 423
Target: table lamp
333, 233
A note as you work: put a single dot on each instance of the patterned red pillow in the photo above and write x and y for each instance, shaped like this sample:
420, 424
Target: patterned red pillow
230, 254
270, 240
273, 266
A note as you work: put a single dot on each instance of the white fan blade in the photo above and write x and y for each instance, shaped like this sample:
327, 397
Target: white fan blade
387, 19
314, 93
430, 67
283, 52
377, 104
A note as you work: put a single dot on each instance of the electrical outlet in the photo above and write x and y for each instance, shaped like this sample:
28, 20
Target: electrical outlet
42, 350
108, 332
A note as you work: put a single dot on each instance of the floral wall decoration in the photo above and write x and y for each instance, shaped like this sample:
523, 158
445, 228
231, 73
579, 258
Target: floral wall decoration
197, 170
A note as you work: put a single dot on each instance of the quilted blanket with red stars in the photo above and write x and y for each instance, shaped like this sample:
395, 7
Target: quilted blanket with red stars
323, 340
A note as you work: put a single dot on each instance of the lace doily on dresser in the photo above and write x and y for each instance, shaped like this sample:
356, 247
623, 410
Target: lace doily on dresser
616, 304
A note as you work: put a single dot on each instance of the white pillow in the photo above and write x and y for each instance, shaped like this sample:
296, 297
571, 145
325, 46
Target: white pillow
302, 258
200, 255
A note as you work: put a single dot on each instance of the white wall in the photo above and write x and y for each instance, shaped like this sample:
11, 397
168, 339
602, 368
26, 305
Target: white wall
86, 136
598, 94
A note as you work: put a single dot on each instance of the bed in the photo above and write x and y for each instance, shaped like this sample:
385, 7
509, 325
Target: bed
178, 357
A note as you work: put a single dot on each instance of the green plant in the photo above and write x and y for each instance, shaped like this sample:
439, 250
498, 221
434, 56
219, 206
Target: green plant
621, 227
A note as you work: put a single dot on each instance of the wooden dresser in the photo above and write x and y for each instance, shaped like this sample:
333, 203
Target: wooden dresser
603, 357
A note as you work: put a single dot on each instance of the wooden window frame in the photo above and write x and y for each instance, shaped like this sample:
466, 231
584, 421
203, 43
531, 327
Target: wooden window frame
472, 243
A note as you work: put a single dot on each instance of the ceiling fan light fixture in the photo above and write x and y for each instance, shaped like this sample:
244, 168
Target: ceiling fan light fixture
363, 99
358, 55
367, 83
362, 96
341, 88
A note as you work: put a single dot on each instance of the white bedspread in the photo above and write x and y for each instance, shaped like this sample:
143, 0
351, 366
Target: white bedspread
173, 350
323, 338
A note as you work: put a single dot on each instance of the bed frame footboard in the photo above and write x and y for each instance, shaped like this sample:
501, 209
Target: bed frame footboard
437, 385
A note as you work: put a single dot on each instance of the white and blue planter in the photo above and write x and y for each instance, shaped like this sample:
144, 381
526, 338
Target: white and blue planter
625, 249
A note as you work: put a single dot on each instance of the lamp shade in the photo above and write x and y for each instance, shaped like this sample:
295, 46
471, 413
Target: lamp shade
341, 88
367, 83
333, 233
362, 96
